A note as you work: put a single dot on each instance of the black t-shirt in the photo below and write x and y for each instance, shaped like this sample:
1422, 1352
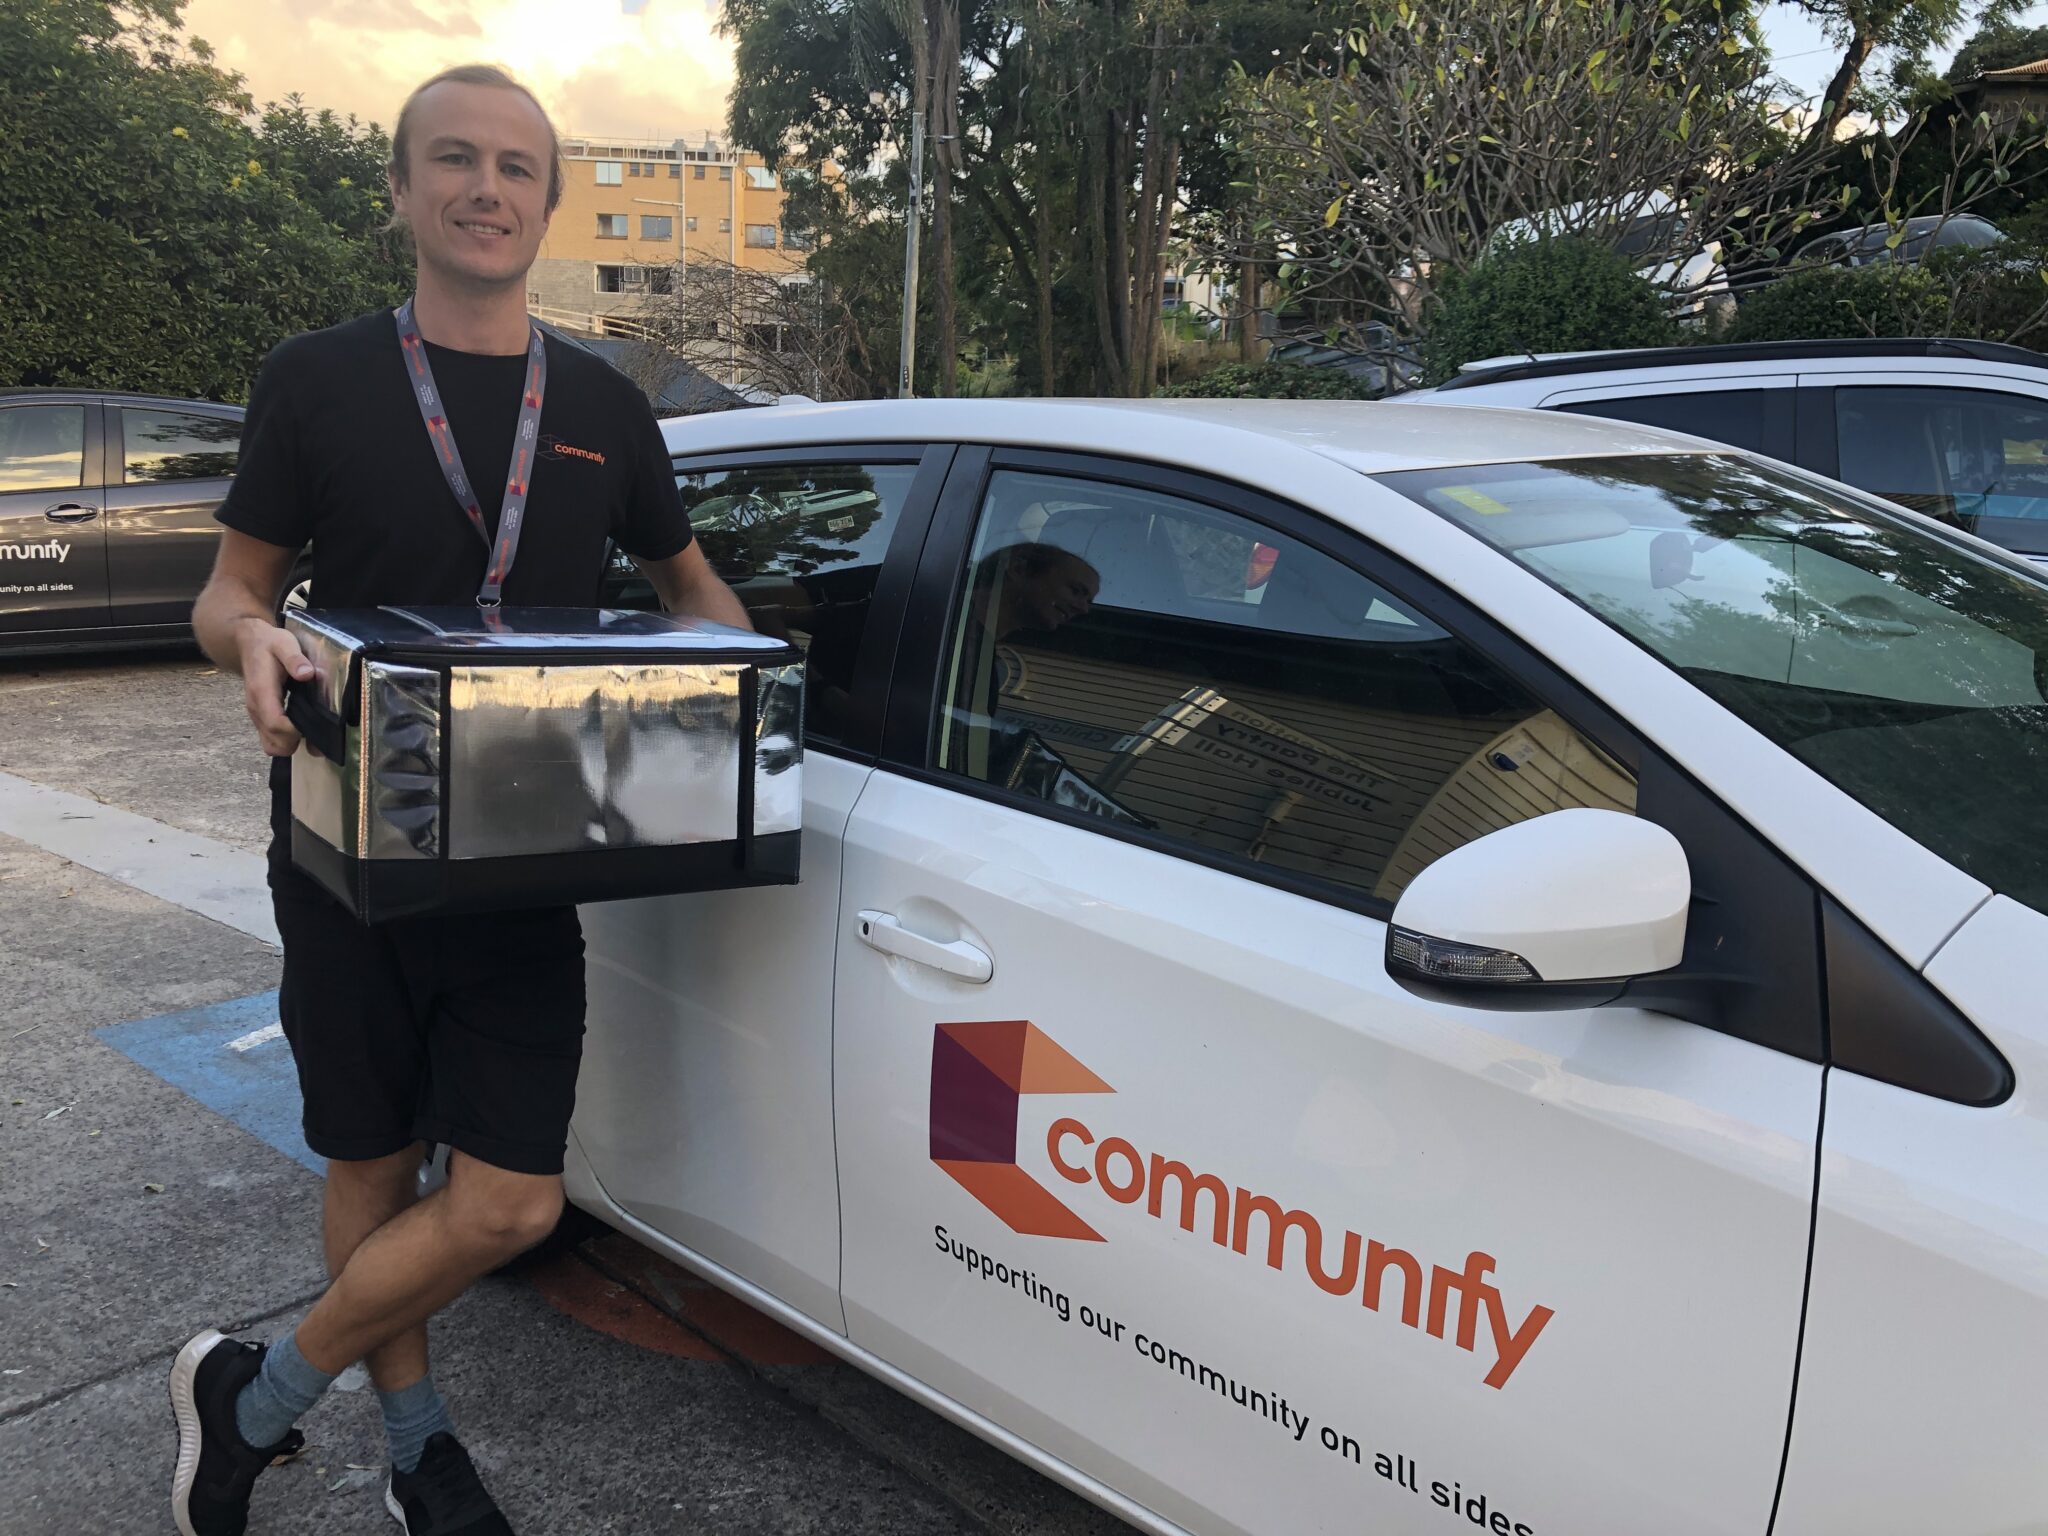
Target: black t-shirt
334, 454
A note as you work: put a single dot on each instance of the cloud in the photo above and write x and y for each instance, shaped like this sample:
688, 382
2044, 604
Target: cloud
598, 69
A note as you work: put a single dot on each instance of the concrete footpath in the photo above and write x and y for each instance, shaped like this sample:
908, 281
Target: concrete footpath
151, 1183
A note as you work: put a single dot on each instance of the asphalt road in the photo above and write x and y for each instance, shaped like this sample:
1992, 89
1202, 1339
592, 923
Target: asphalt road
151, 1184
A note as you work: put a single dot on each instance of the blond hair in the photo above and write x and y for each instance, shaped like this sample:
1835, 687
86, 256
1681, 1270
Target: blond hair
475, 74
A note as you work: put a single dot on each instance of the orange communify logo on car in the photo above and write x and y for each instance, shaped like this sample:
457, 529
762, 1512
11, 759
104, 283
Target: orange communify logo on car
979, 1072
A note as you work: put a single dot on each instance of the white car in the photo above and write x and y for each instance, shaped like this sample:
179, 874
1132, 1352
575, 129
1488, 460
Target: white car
1955, 429
1528, 1026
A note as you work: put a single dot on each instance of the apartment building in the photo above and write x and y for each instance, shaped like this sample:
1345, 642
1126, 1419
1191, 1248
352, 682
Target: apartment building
636, 213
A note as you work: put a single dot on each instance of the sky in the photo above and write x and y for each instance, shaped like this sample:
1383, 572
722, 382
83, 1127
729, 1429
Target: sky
648, 69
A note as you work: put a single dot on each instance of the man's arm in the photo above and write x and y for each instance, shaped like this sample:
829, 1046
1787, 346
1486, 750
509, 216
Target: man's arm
688, 586
235, 620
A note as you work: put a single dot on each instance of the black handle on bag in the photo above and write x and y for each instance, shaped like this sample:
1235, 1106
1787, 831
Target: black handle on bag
325, 731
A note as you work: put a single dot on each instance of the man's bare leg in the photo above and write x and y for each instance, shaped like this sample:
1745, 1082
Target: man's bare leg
422, 1259
361, 1197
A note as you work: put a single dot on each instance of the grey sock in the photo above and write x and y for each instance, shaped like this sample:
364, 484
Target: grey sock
411, 1414
283, 1390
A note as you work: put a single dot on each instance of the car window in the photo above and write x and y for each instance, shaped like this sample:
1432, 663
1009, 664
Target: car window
1167, 666
1900, 663
159, 446
802, 546
1731, 416
42, 447
1977, 458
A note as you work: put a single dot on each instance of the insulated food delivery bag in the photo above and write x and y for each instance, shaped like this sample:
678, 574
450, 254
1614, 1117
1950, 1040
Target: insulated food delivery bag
475, 759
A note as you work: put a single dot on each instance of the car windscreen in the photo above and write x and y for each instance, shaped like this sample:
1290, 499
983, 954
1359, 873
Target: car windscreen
1907, 667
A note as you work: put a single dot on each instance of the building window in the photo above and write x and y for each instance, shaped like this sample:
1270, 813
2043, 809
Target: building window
675, 172
797, 240
690, 222
725, 173
761, 179
661, 279
610, 173
657, 226
697, 171
761, 235
610, 279
611, 226
725, 226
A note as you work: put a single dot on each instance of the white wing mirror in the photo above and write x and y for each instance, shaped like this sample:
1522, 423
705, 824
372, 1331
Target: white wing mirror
1562, 911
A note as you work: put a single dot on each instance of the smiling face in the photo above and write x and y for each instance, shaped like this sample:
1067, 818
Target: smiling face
1061, 590
475, 185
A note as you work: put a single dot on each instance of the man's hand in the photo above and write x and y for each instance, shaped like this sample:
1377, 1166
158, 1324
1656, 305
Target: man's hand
270, 661
235, 620
688, 586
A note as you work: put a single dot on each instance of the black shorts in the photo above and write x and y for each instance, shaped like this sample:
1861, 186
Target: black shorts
464, 1030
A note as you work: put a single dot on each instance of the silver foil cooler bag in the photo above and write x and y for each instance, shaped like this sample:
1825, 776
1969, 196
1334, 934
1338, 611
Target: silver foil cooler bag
482, 759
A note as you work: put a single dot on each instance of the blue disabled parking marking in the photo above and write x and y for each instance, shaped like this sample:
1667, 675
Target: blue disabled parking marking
231, 1057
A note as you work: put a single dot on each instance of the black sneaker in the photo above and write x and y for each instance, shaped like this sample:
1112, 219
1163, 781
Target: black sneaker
443, 1496
216, 1467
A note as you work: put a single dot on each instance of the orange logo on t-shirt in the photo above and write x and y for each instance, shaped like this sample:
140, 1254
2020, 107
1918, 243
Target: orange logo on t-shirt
555, 448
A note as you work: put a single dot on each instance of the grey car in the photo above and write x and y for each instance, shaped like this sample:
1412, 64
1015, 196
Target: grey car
106, 514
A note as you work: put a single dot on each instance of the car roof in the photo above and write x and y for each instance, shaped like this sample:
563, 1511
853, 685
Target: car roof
1221, 436
117, 396
1562, 364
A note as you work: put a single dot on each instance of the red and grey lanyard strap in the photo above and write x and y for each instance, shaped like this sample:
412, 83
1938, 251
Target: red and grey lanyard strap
513, 511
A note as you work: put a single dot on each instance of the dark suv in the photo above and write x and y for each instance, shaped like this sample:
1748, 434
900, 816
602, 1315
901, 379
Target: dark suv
106, 514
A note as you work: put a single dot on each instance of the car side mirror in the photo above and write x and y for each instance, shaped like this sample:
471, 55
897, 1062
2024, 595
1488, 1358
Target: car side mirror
1561, 911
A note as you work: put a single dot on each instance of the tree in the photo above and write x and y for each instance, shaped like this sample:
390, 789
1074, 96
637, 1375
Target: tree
1410, 151
1863, 29
779, 334
152, 238
1076, 121
2000, 43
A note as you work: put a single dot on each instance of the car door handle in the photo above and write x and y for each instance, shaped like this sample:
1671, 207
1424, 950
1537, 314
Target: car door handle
70, 512
880, 930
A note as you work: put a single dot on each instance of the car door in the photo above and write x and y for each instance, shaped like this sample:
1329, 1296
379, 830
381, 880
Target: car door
167, 472
53, 566
1751, 411
1143, 1156
705, 1103
1968, 449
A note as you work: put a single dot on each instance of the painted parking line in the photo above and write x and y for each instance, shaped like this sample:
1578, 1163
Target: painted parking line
232, 1058
156, 858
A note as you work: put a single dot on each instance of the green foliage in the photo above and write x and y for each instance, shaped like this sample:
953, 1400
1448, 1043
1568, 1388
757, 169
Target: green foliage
1544, 296
1270, 381
2000, 43
1837, 303
151, 237
1997, 294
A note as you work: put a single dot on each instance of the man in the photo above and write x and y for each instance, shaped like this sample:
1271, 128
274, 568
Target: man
465, 1031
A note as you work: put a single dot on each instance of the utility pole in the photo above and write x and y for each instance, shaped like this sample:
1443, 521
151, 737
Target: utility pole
910, 254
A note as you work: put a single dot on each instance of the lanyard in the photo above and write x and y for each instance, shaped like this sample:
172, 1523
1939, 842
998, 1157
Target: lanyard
512, 512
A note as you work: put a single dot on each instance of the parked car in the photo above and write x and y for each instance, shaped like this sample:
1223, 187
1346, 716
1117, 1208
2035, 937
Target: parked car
1326, 930
1372, 353
1917, 240
106, 514
1955, 429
